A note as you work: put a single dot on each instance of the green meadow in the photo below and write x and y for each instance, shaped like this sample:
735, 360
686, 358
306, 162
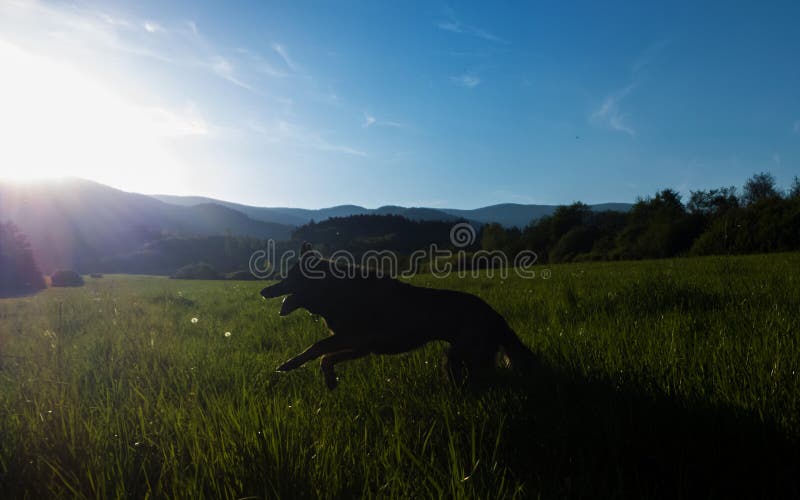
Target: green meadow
670, 378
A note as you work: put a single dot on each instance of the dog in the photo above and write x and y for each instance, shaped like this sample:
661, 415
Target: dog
370, 314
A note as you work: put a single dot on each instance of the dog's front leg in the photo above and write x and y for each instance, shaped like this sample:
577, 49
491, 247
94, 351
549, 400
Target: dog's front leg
324, 346
329, 360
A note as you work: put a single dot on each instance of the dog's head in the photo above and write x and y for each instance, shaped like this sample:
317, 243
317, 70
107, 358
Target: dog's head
303, 285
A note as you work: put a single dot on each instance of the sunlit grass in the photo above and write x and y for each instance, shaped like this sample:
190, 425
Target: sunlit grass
135, 386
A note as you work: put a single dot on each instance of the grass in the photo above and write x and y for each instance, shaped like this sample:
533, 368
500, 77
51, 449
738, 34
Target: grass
673, 378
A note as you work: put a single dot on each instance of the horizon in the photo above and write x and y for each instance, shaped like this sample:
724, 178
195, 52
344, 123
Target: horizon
412, 105
40, 181
782, 190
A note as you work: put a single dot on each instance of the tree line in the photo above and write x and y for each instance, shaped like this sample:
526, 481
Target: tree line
760, 218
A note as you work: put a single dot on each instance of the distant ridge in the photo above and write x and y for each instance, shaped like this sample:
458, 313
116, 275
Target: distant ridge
507, 214
71, 221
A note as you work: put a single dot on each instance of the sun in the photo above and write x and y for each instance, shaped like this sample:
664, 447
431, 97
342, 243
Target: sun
57, 121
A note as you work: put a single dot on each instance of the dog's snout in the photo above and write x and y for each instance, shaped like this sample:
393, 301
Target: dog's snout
273, 291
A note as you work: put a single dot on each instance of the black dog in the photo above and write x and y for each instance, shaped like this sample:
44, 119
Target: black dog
370, 314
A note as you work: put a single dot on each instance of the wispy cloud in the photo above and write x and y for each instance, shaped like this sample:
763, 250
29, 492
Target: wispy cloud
72, 28
649, 54
223, 68
609, 113
796, 127
466, 80
371, 121
170, 123
261, 65
283, 132
152, 27
453, 25
776, 158
283, 52
327, 96
192, 27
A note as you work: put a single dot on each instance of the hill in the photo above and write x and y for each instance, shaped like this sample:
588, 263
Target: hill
518, 215
507, 214
359, 233
72, 222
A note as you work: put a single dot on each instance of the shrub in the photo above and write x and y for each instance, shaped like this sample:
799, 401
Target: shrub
198, 271
241, 276
66, 277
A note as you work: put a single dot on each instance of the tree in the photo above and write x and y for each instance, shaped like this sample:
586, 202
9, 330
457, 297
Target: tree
568, 217
759, 187
493, 237
19, 273
657, 227
197, 271
575, 242
713, 201
794, 191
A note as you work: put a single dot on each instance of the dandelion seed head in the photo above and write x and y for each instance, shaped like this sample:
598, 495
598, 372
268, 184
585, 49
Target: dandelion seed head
195, 320
227, 334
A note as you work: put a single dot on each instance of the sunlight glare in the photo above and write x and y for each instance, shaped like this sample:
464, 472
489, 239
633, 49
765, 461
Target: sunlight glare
56, 122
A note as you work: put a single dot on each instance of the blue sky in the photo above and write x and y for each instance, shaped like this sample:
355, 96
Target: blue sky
453, 105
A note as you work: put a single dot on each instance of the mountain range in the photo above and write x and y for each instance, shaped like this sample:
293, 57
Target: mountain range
73, 221
507, 214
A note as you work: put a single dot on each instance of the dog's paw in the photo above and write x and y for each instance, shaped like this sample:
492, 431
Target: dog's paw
329, 375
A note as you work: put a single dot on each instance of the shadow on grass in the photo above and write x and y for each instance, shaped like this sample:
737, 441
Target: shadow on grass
566, 436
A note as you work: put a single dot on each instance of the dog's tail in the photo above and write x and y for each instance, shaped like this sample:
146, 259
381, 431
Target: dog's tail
518, 353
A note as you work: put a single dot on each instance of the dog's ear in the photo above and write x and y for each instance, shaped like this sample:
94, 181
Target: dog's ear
305, 248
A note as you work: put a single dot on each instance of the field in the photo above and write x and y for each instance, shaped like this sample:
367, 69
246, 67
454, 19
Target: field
674, 378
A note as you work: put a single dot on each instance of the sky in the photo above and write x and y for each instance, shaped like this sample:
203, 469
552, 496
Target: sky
460, 105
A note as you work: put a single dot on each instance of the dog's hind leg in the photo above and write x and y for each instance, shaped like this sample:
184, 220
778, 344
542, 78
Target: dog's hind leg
470, 363
324, 346
456, 364
329, 360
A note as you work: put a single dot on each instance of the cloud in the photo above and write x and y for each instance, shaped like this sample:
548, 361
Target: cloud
282, 51
370, 121
609, 113
226, 70
114, 20
283, 132
192, 27
329, 97
257, 63
648, 54
467, 80
70, 29
170, 123
776, 158
796, 127
152, 27
453, 25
